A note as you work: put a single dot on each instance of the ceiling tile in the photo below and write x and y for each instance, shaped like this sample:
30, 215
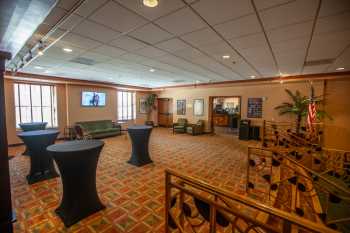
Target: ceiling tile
328, 46
71, 22
251, 41
299, 30
67, 4
133, 57
330, 24
89, 7
78, 41
127, 43
217, 12
239, 27
291, 63
95, 31
265, 4
331, 7
290, 46
181, 22
150, 52
173, 45
54, 16
164, 7
294, 12
219, 49
342, 61
201, 37
115, 16
151, 34
109, 51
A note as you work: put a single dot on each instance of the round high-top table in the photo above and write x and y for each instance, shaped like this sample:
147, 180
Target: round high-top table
77, 163
41, 164
31, 127
140, 135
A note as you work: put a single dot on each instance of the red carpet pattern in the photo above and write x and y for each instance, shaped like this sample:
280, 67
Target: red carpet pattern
134, 196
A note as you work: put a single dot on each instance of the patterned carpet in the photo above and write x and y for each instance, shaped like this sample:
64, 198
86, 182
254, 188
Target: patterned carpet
134, 196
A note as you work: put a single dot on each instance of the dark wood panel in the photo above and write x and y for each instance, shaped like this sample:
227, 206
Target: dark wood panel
5, 195
165, 116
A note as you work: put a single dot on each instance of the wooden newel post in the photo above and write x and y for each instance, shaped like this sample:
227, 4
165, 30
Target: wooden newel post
5, 193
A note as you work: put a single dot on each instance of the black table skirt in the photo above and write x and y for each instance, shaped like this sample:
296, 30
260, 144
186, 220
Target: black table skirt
140, 139
77, 163
41, 164
25, 127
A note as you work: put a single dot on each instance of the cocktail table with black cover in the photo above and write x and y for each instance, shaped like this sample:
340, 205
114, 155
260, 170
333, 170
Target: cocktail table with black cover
77, 163
140, 135
31, 127
41, 164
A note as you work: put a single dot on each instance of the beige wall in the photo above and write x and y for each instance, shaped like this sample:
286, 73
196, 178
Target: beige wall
274, 94
337, 130
69, 107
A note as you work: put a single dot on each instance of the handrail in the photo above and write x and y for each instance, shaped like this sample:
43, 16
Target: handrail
203, 186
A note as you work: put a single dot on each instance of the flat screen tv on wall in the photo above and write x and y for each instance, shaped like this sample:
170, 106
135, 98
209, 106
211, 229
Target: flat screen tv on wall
93, 99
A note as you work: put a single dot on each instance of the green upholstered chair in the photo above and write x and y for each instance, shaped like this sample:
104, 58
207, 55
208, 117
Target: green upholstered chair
195, 129
180, 126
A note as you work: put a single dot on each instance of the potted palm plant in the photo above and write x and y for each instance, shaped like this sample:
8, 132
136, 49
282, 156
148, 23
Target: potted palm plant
150, 105
299, 107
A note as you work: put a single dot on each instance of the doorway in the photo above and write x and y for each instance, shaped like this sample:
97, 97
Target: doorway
165, 112
224, 113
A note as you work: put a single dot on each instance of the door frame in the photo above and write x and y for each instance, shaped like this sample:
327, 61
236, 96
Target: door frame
210, 109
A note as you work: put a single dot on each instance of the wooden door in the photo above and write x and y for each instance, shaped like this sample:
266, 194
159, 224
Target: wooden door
165, 113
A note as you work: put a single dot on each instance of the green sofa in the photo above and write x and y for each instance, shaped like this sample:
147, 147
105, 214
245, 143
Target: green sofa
99, 129
180, 126
196, 129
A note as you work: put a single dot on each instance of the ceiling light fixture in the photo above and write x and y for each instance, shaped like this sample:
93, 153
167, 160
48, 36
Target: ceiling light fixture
152, 70
150, 3
252, 76
67, 50
226, 56
38, 67
40, 49
340, 68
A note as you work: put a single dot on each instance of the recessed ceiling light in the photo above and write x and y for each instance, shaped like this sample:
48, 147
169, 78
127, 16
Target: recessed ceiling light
252, 76
67, 50
152, 70
40, 53
226, 56
150, 3
197, 81
340, 68
48, 71
38, 67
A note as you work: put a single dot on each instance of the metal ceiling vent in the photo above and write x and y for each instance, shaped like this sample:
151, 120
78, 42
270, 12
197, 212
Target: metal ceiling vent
84, 61
319, 62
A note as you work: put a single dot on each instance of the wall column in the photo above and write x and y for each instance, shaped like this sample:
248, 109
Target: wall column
5, 195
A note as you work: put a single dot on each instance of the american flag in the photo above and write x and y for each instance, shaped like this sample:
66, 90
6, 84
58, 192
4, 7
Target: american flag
311, 116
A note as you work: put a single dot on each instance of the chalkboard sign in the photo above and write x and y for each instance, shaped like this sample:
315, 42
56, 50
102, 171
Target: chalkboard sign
254, 108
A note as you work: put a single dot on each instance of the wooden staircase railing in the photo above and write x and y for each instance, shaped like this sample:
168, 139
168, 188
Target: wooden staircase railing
192, 205
317, 188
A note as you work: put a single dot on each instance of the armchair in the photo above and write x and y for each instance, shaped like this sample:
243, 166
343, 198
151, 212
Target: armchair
196, 129
180, 126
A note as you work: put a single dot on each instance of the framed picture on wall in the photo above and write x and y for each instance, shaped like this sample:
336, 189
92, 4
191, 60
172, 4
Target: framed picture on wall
181, 107
254, 108
198, 107
142, 107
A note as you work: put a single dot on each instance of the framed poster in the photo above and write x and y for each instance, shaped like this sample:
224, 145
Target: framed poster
181, 107
198, 107
254, 108
143, 106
